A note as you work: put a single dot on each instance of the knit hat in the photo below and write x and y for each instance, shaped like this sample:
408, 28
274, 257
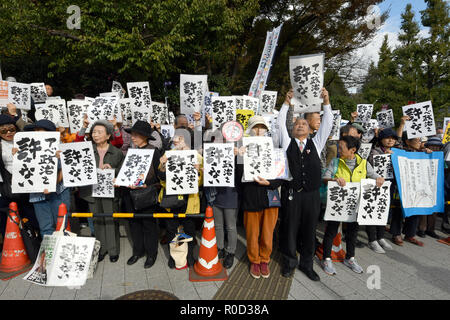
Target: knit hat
359, 127
386, 133
5, 119
45, 124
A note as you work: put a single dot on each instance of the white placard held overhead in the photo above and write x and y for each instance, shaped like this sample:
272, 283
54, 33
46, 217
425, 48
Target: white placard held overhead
193, 89
385, 119
223, 110
20, 95
422, 120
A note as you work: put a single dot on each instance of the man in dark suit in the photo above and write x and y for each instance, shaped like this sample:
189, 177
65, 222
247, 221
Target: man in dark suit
300, 197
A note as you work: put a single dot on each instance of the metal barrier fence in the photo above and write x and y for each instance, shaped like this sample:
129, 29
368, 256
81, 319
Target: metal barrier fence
133, 215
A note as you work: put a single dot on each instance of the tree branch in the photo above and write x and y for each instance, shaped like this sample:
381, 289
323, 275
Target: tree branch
58, 33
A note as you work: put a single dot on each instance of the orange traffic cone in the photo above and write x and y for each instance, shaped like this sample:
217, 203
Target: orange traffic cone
208, 267
14, 255
337, 252
62, 211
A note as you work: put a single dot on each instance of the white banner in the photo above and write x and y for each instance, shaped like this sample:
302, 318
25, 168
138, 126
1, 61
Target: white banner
78, 164
364, 112
422, 120
223, 110
105, 185
267, 101
259, 159
76, 109
306, 74
135, 167
20, 95
160, 113
218, 164
140, 93
35, 166
385, 119
193, 89
181, 175
265, 63
374, 203
342, 202
38, 92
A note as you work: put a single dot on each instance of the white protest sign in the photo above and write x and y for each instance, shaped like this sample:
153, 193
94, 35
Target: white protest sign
76, 109
160, 113
422, 120
35, 166
135, 167
382, 165
168, 131
385, 119
181, 175
125, 106
43, 112
335, 130
140, 93
105, 185
38, 92
267, 101
259, 158
218, 164
62, 261
78, 164
306, 74
419, 182
59, 105
374, 203
117, 87
342, 202
364, 112
364, 150
369, 127
193, 89
142, 113
223, 110
20, 95
250, 103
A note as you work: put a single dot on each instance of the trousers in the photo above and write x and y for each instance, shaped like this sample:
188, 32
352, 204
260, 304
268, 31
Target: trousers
299, 218
259, 226
350, 236
225, 222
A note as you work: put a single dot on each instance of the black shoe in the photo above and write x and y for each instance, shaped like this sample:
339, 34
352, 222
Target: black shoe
445, 228
310, 273
133, 260
432, 234
228, 261
113, 258
359, 244
171, 263
149, 262
287, 272
421, 234
101, 256
221, 253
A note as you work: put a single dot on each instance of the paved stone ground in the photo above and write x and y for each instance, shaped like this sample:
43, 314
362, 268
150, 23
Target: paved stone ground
408, 272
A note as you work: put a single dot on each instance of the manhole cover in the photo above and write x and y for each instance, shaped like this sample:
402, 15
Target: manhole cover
148, 295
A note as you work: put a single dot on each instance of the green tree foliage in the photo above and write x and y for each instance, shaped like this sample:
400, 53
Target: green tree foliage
416, 70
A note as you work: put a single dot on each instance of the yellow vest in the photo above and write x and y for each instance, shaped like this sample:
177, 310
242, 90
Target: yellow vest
360, 171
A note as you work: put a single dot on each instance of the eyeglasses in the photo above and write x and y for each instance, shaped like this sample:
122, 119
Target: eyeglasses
6, 130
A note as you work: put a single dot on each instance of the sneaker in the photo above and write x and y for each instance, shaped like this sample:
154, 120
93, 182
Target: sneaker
352, 264
375, 246
328, 267
228, 261
255, 270
265, 272
385, 245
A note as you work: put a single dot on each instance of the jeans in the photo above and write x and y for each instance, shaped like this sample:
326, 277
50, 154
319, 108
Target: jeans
225, 222
47, 210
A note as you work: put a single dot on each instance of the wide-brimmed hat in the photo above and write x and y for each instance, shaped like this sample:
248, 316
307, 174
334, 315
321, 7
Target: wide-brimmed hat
386, 133
45, 124
143, 128
253, 121
434, 141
